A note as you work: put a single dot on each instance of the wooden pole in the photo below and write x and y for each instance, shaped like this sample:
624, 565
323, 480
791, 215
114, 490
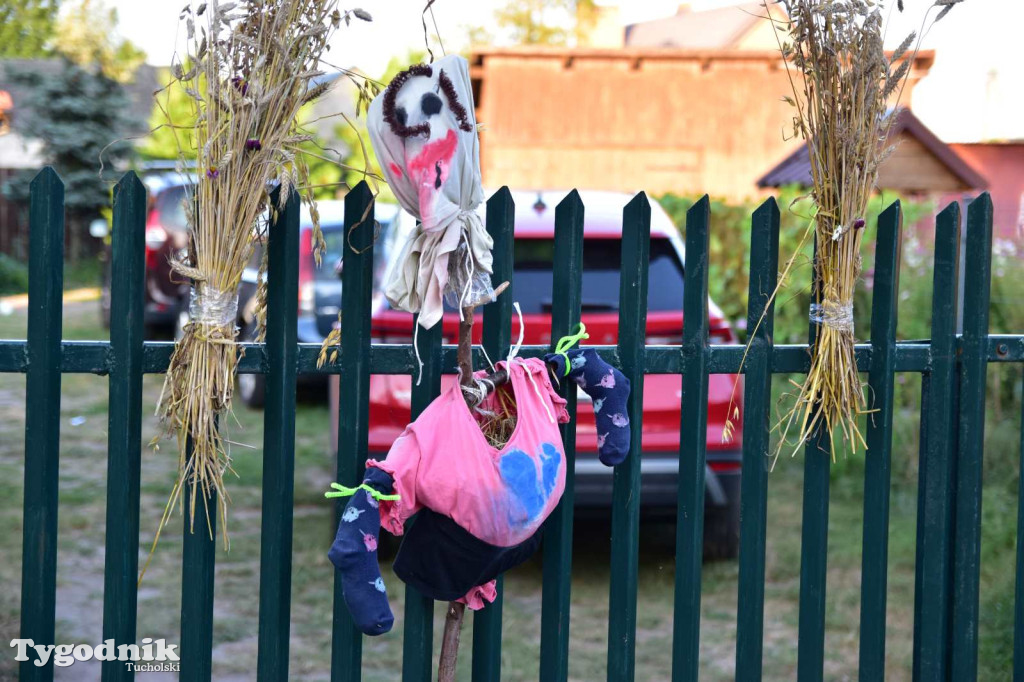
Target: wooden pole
464, 357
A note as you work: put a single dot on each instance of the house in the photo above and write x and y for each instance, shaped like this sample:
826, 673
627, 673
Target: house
19, 152
921, 165
689, 104
924, 167
738, 27
1002, 165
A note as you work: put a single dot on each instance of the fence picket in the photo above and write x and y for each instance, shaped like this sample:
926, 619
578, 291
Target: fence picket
636, 248
971, 440
497, 338
692, 446
814, 540
1018, 609
279, 444
353, 399
42, 416
878, 458
124, 432
418, 638
557, 578
198, 561
757, 394
935, 481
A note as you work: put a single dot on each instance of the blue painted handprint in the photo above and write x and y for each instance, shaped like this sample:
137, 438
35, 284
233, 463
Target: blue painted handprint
529, 493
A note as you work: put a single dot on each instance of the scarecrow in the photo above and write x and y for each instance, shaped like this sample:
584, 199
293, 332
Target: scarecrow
483, 466
423, 130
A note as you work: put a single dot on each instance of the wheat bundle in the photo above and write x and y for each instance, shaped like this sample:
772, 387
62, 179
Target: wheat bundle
251, 65
845, 90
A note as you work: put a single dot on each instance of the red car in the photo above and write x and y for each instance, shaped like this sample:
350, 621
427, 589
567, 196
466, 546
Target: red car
534, 247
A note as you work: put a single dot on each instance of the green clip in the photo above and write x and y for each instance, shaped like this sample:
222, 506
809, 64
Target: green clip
567, 342
342, 491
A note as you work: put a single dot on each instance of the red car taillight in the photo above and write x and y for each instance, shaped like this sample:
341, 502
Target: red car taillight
724, 467
721, 335
307, 290
156, 237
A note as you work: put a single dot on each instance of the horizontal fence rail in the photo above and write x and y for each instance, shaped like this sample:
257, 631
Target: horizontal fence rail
93, 357
952, 366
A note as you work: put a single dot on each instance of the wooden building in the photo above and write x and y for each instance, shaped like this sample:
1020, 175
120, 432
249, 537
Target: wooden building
1002, 165
702, 112
922, 165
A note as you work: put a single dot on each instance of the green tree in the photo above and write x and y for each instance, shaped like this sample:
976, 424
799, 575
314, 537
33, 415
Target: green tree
86, 33
540, 22
77, 113
729, 257
170, 122
27, 27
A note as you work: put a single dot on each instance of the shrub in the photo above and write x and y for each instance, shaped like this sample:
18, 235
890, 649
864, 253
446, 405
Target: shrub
13, 276
728, 279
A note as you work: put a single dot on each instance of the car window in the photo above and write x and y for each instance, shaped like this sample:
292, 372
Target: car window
601, 262
171, 209
334, 237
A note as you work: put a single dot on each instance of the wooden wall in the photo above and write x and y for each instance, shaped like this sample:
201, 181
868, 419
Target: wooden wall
661, 121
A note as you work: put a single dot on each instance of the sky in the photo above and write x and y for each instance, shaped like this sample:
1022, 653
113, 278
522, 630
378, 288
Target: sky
975, 90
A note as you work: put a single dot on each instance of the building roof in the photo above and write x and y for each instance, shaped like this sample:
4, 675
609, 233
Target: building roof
722, 28
795, 169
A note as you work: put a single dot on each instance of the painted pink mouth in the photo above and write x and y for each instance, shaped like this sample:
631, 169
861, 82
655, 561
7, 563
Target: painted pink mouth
430, 169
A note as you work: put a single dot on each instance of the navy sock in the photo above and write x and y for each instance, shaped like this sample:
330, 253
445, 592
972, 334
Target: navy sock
354, 553
609, 389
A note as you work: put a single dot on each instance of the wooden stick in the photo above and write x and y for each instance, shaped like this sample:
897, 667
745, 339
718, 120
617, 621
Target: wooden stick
453, 618
450, 642
464, 356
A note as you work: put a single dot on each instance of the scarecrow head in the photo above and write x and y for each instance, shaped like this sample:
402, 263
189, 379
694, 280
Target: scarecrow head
424, 132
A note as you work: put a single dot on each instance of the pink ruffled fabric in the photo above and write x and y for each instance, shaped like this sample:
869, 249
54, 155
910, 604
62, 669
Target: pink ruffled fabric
480, 596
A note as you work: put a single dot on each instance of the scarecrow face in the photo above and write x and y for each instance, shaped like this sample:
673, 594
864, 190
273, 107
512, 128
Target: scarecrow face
422, 107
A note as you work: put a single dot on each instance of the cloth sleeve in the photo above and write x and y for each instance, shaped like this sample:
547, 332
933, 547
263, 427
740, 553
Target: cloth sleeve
557, 401
480, 596
402, 463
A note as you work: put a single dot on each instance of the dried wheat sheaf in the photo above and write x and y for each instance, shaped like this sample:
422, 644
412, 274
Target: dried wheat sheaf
845, 89
250, 67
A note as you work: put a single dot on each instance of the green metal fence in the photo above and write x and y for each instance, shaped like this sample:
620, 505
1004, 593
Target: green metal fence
952, 365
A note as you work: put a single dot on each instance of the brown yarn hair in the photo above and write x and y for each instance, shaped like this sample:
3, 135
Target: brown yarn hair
397, 127
453, 101
446, 85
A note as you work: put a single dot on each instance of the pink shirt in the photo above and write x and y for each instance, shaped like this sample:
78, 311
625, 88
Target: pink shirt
442, 461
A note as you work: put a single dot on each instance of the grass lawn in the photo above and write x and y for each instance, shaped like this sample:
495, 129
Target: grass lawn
80, 556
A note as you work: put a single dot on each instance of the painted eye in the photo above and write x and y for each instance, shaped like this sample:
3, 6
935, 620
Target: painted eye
401, 115
430, 104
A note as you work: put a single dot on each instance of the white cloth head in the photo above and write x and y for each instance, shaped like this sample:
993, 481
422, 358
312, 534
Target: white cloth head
435, 174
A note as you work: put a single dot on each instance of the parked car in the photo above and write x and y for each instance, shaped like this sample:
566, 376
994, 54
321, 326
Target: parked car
167, 294
532, 288
319, 288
